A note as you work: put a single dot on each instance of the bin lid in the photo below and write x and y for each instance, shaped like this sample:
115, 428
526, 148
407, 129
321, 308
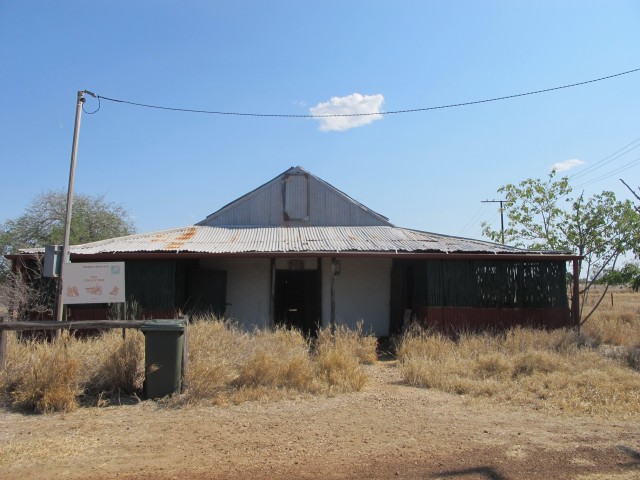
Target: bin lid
163, 326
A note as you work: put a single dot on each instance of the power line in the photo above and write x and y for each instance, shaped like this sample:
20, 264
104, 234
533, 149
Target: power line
475, 217
622, 168
394, 112
501, 202
606, 160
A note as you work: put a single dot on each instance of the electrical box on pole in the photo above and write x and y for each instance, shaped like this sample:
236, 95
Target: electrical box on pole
52, 260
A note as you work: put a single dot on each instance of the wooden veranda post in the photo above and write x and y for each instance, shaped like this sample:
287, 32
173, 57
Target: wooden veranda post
332, 317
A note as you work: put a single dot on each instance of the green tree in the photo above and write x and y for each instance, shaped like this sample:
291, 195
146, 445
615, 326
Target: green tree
42, 223
624, 276
26, 291
635, 283
543, 214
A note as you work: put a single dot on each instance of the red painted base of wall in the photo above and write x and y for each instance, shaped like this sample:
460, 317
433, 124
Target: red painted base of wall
454, 320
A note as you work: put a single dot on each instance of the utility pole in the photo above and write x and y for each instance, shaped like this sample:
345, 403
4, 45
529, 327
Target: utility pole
501, 215
69, 208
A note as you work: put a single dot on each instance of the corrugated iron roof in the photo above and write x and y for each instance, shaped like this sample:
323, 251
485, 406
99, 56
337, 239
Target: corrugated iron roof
242, 239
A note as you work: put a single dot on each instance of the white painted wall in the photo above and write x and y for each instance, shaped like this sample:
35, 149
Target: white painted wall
362, 293
248, 289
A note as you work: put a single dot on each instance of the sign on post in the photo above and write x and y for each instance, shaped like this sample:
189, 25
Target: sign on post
94, 283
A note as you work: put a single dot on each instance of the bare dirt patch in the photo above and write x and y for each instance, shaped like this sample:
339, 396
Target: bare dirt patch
388, 430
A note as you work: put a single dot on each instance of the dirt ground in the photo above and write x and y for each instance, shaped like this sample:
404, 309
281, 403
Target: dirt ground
389, 430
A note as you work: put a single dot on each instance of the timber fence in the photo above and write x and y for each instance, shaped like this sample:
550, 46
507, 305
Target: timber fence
49, 325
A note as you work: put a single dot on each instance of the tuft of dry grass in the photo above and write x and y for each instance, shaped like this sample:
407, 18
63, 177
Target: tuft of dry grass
40, 376
114, 365
226, 364
277, 358
54, 376
545, 370
339, 355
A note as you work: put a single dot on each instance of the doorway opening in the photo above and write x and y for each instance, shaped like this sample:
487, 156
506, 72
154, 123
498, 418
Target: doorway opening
297, 300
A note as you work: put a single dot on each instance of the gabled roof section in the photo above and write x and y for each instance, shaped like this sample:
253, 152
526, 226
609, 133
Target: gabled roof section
296, 197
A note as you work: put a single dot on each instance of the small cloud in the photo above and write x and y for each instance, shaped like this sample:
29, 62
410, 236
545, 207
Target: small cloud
566, 165
300, 103
349, 105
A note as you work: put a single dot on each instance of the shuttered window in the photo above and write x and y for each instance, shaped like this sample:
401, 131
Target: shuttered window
296, 197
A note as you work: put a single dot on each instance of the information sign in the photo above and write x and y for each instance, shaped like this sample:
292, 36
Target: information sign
94, 283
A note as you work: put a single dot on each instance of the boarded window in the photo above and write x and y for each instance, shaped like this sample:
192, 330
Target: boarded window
296, 197
151, 282
493, 284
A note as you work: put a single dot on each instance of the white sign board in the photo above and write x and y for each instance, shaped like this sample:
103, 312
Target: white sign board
94, 282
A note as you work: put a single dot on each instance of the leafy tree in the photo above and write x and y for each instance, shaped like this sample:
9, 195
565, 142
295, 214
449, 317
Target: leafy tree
42, 223
25, 292
624, 276
635, 283
543, 214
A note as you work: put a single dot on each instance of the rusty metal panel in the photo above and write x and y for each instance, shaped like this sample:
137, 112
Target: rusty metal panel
456, 320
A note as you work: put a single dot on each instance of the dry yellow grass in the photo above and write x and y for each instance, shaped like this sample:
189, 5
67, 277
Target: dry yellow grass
545, 370
617, 324
339, 355
55, 376
46, 379
226, 364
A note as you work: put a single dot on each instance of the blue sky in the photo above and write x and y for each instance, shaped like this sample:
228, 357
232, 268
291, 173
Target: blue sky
427, 170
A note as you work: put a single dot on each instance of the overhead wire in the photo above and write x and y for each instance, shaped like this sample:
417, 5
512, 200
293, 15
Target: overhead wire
473, 219
622, 168
393, 112
606, 160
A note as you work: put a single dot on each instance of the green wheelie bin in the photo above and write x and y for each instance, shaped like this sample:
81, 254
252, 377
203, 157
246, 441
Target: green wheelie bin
163, 349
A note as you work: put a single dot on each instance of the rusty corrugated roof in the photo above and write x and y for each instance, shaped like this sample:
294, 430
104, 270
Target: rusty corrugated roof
240, 239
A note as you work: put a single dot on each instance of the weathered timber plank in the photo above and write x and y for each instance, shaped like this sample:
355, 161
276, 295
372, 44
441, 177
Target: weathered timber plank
75, 325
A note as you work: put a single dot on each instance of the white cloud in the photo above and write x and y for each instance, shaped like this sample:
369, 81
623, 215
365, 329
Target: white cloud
566, 165
354, 103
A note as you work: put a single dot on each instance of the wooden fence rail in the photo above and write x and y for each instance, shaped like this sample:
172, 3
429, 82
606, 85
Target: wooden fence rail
75, 325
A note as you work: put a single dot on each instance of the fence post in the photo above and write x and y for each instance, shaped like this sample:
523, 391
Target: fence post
183, 385
3, 344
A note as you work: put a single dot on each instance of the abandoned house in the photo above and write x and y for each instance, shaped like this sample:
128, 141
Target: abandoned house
299, 252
